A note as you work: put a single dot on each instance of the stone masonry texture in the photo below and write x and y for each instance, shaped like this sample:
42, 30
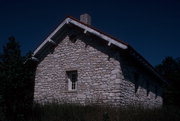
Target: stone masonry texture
105, 75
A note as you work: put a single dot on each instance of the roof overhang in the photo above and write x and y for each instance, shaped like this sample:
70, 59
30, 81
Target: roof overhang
86, 29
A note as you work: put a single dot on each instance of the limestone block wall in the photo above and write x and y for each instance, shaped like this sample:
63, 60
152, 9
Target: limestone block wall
101, 78
98, 76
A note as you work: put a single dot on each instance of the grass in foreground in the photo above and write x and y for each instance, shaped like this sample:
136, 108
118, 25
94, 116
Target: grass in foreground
72, 112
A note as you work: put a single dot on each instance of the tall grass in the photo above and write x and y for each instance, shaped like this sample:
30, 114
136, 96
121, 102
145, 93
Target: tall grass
73, 112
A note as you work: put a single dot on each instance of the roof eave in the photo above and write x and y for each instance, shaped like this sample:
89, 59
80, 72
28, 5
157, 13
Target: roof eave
146, 64
86, 29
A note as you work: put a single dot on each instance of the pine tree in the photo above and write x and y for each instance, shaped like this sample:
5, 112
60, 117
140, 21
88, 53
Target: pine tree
17, 81
2, 106
170, 70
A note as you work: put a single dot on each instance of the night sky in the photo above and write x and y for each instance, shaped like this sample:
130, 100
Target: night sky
152, 27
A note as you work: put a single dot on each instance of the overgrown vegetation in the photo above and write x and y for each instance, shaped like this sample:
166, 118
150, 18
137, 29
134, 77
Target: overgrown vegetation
73, 112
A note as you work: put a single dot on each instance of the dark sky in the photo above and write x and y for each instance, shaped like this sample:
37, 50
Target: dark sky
152, 27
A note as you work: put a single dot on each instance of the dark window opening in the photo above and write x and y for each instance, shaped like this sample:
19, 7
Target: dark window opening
73, 80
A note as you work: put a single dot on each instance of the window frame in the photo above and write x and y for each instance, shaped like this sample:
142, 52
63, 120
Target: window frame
72, 78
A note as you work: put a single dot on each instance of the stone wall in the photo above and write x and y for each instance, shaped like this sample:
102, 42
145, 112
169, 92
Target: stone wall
143, 89
101, 77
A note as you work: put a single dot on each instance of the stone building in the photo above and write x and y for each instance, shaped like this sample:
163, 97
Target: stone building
79, 64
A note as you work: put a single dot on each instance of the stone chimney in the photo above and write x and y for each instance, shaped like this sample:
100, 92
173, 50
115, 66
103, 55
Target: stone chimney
85, 18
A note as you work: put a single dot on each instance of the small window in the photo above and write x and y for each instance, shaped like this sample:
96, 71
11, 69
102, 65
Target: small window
72, 80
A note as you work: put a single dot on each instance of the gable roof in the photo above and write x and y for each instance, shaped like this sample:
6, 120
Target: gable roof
86, 28
89, 29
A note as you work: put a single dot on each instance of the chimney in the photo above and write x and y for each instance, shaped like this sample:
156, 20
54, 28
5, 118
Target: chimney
85, 18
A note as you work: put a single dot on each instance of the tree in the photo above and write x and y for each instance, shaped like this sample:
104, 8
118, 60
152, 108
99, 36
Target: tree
170, 70
17, 81
2, 115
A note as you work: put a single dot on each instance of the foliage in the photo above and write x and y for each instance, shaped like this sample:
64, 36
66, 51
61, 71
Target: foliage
2, 115
16, 82
74, 112
170, 70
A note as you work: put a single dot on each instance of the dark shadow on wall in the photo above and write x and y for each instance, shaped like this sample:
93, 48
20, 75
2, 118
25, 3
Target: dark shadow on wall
139, 75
